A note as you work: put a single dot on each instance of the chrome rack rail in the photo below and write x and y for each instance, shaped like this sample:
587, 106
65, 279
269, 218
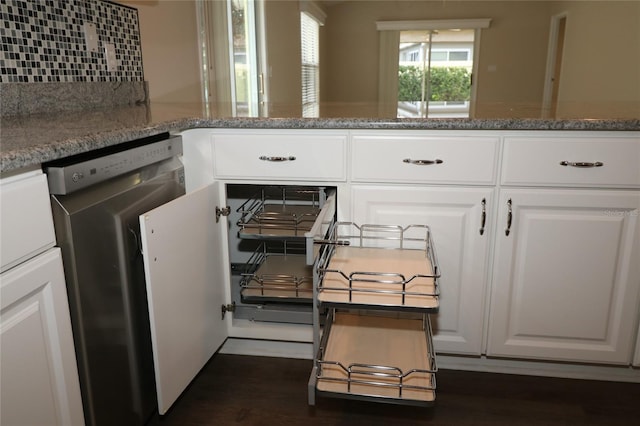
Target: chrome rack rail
280, 211
262, 280
410, 290
376, 382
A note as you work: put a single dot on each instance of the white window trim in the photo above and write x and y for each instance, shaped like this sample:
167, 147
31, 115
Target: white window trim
547, 93
388, 70
440, 24
215, 67
313, 10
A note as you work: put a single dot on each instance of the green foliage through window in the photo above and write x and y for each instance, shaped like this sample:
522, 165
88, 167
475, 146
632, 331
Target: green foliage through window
447, 84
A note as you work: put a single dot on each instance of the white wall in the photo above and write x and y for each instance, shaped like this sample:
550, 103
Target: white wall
170, 56
600, 74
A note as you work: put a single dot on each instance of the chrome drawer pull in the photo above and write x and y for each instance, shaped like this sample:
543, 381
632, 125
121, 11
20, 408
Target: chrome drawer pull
422, 162
484, 216
581, 164
509, 218
277, 159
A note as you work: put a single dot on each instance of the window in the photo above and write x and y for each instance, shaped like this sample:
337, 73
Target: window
410, 89
450, 55
462, 55
310, 46
438, 56
244, 61
436, 83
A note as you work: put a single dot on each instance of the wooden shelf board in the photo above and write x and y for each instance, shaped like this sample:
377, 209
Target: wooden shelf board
358, 259
286, 266
379, 341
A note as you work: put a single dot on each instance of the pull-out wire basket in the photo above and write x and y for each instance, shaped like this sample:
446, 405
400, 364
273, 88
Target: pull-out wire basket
277, 272
382, 267
280, 212
372, 357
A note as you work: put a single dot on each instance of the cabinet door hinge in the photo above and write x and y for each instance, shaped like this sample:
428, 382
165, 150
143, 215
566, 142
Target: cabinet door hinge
231, 307
225, 211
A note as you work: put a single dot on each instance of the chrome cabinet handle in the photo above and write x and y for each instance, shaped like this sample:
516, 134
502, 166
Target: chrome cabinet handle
507, 231
483, 220
422, 162
581, 164
277, 159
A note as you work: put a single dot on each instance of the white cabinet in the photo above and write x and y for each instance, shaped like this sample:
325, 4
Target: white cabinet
39, 378
460, 220
587, 160
25, 215
280, 155
566, 275
562, 286
427, 157
566, 278
459, 213
187, 250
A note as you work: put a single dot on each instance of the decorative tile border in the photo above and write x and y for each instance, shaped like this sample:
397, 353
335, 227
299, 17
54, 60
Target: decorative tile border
44, 41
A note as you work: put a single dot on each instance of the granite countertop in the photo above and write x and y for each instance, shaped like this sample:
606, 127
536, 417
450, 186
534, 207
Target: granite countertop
33, 139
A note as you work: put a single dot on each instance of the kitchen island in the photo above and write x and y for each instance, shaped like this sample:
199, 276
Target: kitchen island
33, 139
536, 238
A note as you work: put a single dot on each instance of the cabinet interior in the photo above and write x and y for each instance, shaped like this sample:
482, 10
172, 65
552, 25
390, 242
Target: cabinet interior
269, 243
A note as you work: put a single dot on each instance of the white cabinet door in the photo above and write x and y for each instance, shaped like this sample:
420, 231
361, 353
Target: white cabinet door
38, 378
567, 277
185, 289
455, 216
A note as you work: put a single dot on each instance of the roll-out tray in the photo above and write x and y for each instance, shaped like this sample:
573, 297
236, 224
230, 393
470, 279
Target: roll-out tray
379, 277
278, 220
377, 358
279, 278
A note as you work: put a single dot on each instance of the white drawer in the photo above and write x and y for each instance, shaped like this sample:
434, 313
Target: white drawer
595, 161
25, 218
280, 156
425, 159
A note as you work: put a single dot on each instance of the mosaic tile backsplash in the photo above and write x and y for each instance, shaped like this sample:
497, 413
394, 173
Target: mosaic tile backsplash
44, 41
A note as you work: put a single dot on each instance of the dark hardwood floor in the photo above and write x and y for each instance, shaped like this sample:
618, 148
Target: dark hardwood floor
244, 390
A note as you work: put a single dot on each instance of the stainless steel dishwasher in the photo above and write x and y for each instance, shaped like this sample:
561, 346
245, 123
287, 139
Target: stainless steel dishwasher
96, 201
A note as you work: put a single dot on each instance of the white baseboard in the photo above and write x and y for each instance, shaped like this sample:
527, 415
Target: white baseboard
540, 368
278, 349
298, 350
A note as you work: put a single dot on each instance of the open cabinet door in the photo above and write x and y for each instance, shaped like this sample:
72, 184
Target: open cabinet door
181, 243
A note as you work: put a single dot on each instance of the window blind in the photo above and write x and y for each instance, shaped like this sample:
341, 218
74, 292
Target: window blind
310, 46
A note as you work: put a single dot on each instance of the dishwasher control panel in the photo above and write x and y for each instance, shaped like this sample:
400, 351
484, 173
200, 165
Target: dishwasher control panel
80, 171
